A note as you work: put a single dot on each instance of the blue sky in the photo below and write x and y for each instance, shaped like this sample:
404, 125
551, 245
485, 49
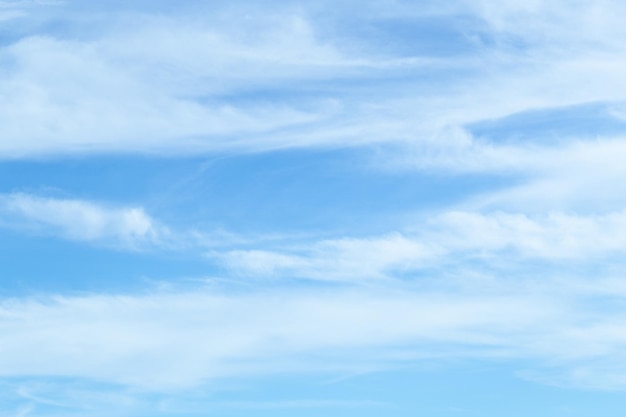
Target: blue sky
312, 208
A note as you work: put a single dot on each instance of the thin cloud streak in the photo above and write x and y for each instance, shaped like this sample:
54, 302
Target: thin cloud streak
440, 242
80, 220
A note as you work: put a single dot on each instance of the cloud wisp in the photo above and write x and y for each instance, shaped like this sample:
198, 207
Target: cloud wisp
80, 220
442, 242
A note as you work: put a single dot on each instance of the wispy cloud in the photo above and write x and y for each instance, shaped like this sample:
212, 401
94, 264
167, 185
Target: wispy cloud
187, 85
167, 341
138, 91
552, 236
530, 271
342, 259
80, 220
186, 338
441, 242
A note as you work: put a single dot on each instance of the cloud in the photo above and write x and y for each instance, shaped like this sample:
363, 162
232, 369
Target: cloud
551, 236
164, 342
552, 24
532, 271
542, 174
245, 79
339, 259
447, 240
86, 100
159, 85
170, 341
440, 240
80, 220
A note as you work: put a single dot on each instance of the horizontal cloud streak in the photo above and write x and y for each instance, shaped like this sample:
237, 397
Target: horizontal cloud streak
331, 260
440, 242
79, 220
168, 341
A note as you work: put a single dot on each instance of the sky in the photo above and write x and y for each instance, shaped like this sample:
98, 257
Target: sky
289, 208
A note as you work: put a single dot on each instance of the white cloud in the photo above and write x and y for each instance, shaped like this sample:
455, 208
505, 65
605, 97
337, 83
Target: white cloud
85, 100
80, 220
170, 341
552, 236
342, 259
157, 87
550, 24
447, 239
573, 174
166, 342
143, 83
166, 85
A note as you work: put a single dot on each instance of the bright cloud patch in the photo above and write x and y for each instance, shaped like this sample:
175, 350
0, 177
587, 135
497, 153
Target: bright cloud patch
78, 220
332, 260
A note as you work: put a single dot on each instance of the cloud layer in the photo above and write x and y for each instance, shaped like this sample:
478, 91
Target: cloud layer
274, 79
528, 96
171, 341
